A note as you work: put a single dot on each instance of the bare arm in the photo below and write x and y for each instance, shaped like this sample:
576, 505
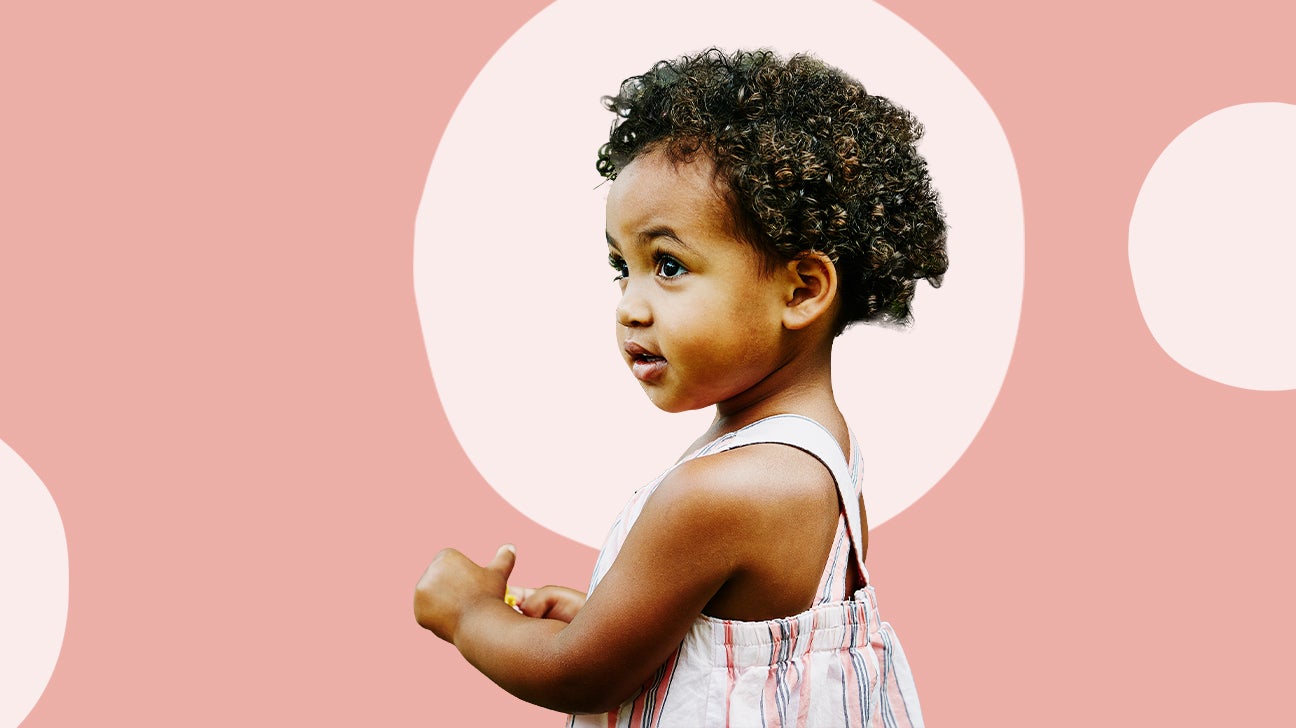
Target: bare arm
675, 558
694, 535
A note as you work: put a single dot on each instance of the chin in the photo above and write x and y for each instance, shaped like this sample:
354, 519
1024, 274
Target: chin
674, 408
668, 404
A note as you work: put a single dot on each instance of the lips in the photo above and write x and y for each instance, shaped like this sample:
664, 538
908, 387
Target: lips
644, 364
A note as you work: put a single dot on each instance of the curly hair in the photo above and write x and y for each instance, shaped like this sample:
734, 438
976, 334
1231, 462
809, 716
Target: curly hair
812, 162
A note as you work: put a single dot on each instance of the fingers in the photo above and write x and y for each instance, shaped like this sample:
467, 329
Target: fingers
515, 595
551, 602
534, 602
452, 584
504, 560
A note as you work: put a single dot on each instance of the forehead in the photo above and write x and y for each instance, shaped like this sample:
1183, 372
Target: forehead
654, 191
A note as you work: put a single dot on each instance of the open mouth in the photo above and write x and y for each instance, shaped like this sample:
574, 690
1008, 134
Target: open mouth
638, 353
646, 365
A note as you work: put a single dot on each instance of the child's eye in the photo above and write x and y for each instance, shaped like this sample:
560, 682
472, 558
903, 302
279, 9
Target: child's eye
619, 265
668, 267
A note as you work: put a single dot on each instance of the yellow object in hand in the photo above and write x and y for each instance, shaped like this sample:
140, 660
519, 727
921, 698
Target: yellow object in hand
510, 597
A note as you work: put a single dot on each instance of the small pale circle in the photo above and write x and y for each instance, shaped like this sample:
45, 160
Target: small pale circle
1211, 245
34, 572
517, 300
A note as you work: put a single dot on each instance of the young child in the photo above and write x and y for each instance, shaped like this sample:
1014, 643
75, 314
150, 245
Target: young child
759, 207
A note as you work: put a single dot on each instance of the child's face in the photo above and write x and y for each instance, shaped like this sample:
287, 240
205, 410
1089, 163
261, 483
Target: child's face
698, 323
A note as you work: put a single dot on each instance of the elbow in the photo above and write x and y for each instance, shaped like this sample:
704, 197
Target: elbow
583, 703
601, 692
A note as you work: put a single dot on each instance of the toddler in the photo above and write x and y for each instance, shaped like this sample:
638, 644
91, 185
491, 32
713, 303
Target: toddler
759, 207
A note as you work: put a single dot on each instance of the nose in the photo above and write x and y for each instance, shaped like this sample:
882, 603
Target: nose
632, 310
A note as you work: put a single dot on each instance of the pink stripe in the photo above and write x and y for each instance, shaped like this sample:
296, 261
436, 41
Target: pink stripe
771, 716
893, 696
662, 687
803, 699
849, 675
731, 669
637, 710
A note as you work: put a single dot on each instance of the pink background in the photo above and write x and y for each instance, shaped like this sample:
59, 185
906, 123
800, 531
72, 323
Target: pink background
211, 357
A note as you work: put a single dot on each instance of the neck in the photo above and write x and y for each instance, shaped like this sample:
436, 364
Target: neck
802, 385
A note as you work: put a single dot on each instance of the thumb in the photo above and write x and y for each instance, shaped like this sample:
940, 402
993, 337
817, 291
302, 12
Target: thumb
504, 560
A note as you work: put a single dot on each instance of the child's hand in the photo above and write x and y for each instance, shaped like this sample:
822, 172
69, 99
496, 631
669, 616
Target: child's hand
550, 602
453, 583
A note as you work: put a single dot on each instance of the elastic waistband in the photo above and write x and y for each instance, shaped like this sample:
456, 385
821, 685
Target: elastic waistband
828, 627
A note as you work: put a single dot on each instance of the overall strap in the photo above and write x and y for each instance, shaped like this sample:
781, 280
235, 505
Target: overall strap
809, 436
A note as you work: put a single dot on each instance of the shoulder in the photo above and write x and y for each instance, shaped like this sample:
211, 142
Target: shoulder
749, 487
775, 465
766, 514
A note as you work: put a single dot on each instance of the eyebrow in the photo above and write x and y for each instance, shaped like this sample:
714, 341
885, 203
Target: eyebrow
646, 236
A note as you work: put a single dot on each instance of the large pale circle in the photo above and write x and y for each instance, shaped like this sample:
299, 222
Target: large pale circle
516, 298
34, 574
1211, 243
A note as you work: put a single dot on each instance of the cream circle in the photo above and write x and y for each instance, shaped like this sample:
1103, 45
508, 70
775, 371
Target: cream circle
1210, 241
516, 298
34, 571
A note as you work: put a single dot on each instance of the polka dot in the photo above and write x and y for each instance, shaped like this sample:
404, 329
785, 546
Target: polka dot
34, 571
1211, 247
516, 297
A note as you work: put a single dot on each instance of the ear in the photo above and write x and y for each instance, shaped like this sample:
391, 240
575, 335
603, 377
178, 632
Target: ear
812, 294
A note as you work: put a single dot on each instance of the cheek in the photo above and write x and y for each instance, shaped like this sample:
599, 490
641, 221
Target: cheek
750, 320
731, 310
724, 340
